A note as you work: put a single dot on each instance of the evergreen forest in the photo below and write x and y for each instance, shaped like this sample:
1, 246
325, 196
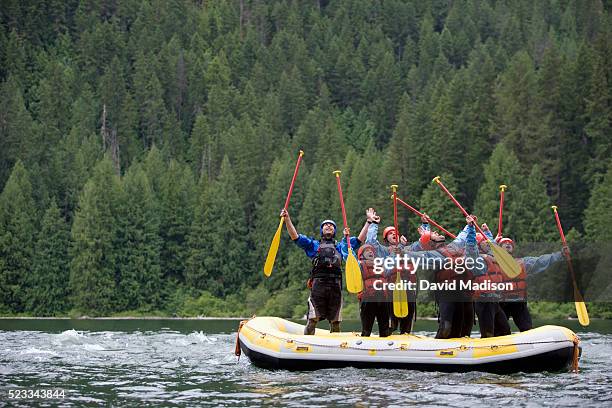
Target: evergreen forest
147, 146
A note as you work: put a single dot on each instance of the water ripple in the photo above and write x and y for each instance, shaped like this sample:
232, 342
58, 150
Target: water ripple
170, 367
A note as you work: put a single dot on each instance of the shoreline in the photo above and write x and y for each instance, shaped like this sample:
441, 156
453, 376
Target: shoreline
193, 318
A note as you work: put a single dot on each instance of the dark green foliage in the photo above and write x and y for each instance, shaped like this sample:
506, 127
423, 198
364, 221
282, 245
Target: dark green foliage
218, 250
390, 92
529, 215
17, 238
439, 207
47, 288
138, 244
17, 129
598, 213
95, 232
503, 168
176, 202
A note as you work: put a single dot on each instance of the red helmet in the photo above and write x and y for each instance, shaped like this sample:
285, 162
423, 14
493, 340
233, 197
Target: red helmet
387, 231
363, 249
480, 238
506, 240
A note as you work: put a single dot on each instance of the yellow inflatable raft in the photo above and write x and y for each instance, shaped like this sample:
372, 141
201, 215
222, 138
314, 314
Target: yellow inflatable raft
275, 343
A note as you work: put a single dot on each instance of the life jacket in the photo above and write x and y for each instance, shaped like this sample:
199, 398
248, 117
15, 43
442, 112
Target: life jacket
494, 274
519, 285
448, 274
370, 277
406, 273
327, 263
369, 282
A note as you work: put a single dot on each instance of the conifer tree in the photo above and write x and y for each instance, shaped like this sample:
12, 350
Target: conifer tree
155, 167
292, 98
440, 208
178, 192
17, 129
48, 293
599, 113
149, 101
599, 211
94, 234
503, 167
218, 260
138, 244
528, 213
17, 238
521, 120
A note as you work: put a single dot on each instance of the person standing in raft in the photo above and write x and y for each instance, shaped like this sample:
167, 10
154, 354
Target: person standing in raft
456, 312
373, 300
491, 319
393, 246
325, 282
514, 302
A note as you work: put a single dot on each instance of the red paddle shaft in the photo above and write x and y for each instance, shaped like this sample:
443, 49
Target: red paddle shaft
448, 193
420, 214
295, 172
502, 189
337, 173
568, 258
394, 188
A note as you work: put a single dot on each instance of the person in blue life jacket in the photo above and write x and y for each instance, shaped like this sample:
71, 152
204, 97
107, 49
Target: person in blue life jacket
392, 246
455, 308
325, 282
514, 302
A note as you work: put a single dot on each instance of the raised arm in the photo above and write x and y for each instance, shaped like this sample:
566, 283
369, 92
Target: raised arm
372, 235
538, 264
290, 228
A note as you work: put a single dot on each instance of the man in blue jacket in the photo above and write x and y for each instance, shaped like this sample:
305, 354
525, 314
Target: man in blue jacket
325, 301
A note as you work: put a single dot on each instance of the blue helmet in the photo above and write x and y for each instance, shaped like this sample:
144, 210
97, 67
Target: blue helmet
328, 222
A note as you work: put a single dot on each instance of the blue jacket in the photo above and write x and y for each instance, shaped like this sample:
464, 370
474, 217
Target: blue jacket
534, 264
382, 250
465, 242
311, 246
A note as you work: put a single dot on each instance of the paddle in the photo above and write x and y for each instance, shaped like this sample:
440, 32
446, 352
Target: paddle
420, 214
581, 310
505, 261
354, 284
502, 189
400, 298
276, 240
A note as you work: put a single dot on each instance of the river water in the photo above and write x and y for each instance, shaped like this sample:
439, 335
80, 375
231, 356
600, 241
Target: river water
191, 362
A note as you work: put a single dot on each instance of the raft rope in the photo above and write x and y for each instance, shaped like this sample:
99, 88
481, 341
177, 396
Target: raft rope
462, 347
576, 355
237, 351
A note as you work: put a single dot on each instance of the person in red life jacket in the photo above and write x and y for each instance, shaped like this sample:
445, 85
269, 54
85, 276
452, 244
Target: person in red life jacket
325, 283
492, 321
456, 313
514, 302
393, 246
373, 301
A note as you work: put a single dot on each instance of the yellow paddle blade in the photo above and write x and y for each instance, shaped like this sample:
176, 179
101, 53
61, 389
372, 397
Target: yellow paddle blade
400, 299
506, 262
581, 310
583, 315
273, 250
354, 284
